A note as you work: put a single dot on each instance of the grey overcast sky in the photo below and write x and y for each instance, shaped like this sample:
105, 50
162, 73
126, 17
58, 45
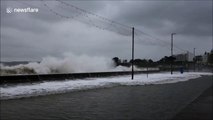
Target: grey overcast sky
31, 36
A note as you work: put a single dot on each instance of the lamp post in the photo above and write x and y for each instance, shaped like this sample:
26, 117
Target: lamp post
172, 52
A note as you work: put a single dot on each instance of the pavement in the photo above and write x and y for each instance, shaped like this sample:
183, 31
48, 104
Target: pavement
199, 109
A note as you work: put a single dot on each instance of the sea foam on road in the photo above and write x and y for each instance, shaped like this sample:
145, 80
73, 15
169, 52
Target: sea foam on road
54, 87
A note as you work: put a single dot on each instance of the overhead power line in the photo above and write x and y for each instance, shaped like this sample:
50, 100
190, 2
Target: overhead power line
103, 18
165, 43
103, 23
90, 19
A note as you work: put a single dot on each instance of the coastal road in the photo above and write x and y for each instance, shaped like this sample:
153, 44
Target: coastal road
162, 101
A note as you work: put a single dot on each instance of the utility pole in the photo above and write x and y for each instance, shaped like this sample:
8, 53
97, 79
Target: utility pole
132, 53
188, 61
194, 59
172, 52
212, 45
147, 70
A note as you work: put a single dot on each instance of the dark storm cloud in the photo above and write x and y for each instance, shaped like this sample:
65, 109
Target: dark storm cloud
188, 18
40, 21
36, 35
21, 21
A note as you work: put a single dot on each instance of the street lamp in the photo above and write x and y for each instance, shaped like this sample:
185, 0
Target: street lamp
172, 52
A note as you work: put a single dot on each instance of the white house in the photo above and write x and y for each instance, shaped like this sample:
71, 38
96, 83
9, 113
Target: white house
184, 57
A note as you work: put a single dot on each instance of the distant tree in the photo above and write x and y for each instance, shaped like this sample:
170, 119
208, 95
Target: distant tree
150, 61
130, 61
140, 63
171, 58
162, 60
116, 60
167, 60
210, 58
124, 61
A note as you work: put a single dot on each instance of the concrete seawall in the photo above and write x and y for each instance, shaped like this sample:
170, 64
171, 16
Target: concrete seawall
51, 77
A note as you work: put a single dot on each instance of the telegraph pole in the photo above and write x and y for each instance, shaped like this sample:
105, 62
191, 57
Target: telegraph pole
212, 45
194, 59
172, 52
132, 53
187, 61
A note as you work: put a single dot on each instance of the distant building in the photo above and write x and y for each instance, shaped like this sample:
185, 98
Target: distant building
205, 58
180, 57
198, 59
184, 57
202, 59
190, 57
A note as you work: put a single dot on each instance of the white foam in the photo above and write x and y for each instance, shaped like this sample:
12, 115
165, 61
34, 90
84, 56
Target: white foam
69, 63
19, 91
